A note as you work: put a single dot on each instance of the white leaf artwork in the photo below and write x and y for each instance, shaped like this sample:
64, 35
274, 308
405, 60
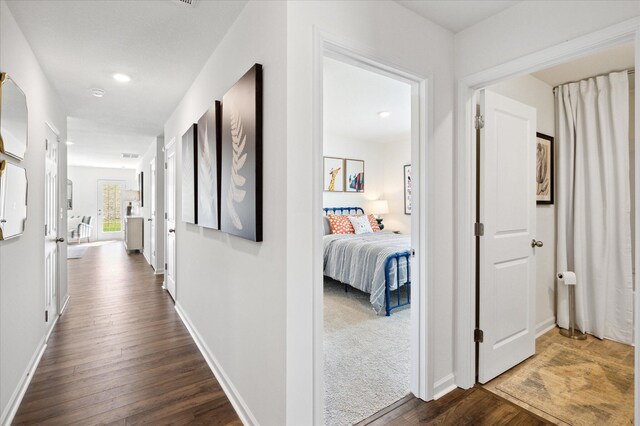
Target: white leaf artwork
236, 194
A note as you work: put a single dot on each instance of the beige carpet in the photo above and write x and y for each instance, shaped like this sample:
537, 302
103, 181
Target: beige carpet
366, 362
575, 386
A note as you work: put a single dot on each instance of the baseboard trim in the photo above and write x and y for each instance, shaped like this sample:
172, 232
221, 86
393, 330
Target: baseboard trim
64, 305
236, 400
159, 272
14, 402
444, 386
545, 326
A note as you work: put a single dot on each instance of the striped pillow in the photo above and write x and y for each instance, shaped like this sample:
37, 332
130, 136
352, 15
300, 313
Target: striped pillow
340, 224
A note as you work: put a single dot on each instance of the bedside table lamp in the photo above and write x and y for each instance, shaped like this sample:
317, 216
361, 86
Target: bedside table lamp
378, 208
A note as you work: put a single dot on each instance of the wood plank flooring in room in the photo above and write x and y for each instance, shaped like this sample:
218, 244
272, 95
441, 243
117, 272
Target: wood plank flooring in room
120, 353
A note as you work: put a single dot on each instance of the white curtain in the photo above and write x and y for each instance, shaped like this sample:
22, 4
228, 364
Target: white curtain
593, 204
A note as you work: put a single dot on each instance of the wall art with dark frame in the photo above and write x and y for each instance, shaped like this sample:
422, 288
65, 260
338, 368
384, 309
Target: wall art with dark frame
544, 169
208, 163
141, 188
189, 181
241, 163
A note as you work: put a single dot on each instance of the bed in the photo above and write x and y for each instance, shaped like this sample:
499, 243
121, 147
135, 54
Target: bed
376, 263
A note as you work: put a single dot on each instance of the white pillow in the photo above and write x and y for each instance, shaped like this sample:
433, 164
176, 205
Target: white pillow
361, 224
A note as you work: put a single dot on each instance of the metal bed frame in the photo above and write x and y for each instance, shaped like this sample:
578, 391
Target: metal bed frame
387, 268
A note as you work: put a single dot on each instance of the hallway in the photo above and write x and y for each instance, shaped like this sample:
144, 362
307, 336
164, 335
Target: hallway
120, 353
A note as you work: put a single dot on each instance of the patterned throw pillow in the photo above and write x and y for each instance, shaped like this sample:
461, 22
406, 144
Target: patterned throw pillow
340, 224
374, 223
361, 224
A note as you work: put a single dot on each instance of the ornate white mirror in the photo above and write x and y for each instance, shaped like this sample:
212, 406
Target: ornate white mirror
13, 200
13, 118
69, 194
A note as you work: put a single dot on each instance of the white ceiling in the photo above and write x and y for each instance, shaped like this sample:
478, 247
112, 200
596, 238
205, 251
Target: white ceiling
354, 96
161, 44
456, 15
617, 58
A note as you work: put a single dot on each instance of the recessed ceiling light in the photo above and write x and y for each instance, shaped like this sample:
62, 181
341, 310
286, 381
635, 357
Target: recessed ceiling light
69, 143
98, 93
384, 114
122, 78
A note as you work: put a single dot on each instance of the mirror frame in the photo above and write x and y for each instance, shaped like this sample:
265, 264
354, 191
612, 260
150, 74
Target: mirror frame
3, 165
4, 76
69, 196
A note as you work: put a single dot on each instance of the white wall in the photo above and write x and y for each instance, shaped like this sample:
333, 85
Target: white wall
370, 152
233, 290
393, 33
538, 94
531, 26
396, 156
155, 152
85, 190
22, 327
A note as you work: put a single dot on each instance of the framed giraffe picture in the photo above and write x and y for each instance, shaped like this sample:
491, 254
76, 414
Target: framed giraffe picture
333, 174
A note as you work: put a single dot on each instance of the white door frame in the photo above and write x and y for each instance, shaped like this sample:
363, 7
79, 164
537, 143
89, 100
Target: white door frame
421, 376
465, 180
153, 237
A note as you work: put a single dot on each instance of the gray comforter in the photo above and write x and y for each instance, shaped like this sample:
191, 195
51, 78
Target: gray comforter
359, 260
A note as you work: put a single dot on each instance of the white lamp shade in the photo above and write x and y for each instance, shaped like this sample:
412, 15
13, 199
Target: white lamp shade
131, 195
379, 207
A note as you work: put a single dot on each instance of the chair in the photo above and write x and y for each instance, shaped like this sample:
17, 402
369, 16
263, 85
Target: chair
80, 227
84, 228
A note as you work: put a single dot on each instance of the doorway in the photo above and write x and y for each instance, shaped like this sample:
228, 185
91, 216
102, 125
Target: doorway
170, 214
420, 377
547, 344
110, 210
51, 238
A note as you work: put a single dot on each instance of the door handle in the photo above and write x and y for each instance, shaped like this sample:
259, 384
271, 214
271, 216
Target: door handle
172, 230
149, 220
535, 243
60, 240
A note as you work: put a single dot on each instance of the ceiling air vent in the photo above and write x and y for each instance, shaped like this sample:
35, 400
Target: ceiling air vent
129, 155
192, 3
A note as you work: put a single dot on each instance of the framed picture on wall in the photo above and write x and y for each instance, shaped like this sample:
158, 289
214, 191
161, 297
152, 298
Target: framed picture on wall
189, 181
141, 188
241, 157
333, 174
407, 189
354, 172
544, 169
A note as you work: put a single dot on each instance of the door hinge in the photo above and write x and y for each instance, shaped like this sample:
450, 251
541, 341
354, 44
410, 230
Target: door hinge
413, 253
478, 121
165, 266
46, 230
46, 316
478, 229
166, 216
478, 335
165, 166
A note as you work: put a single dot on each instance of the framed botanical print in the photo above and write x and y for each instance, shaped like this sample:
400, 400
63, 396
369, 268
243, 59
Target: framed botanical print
544, 169
407, 189
354, 172
333, 171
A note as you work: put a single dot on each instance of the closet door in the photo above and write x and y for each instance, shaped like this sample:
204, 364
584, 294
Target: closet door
507, 255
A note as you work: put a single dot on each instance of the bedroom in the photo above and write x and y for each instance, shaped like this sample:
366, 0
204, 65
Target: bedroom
367, 235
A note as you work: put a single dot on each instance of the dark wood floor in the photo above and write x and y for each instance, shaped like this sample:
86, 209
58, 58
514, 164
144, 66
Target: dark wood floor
475, 406
120, 354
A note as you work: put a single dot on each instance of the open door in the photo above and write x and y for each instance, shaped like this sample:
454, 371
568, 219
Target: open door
170, 197
507, 265
51, 238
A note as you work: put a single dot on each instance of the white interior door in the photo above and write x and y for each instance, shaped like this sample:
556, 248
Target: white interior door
51, 240
110, 224
152, 215
170, 197
508, 212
